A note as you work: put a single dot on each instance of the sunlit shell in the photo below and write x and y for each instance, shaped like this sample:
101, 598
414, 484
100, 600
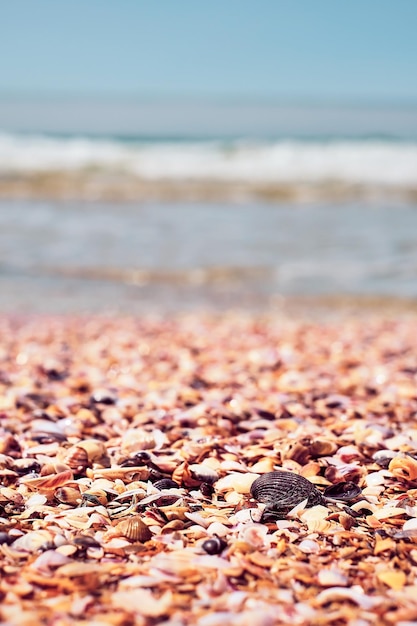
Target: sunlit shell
203, 473
137, 439
96, 450
49, 561
322, 447
332, 577
267, 464
142, 600
217, 528
68, 495
33, 541
411, 525
403, 467
393, 579
236, 482
315, 518
48, 483
134, 529
349, 453
77, 459
308, 546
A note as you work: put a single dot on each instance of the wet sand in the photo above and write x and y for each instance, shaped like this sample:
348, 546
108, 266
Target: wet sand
95, 411
117, 187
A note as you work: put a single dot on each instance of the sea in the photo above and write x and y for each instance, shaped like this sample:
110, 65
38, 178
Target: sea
134, 205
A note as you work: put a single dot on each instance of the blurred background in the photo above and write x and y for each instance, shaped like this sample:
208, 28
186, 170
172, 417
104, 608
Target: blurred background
173, 156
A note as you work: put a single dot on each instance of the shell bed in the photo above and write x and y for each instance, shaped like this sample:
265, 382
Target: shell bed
128, 449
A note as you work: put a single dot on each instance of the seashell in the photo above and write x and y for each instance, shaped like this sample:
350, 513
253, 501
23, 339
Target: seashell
49, 561
68, 495
53, 467
308, 546
410, 524
215, 545
26, 466
255, 535
403, 467
6, 538
332, 577
299, 452
77, 459
387, 512
178, 562
95, 449
349, 453
311, 469
281, 491
133, 600
137, 439
183, 476
237, 482
217, 528
36, 500
207, 490
48, 483
165, 483
134, 529
375, 479
33, 541
233, 498
315, 518
203, 473
354, 594
384, 457
322, 447
343, 473
94, 497
395, 579
263, 466
346, 492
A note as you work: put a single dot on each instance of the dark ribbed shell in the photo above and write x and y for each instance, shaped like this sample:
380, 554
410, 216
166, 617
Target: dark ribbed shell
281, 491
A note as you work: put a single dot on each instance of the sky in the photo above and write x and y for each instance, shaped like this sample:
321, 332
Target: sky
317, 49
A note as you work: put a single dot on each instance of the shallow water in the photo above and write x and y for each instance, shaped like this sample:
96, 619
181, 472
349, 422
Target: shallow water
103, 257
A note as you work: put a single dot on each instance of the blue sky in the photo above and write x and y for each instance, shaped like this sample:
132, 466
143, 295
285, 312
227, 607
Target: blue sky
320, 49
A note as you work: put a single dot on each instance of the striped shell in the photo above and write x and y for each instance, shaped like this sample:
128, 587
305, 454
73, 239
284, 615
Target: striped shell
281, 491
134, 529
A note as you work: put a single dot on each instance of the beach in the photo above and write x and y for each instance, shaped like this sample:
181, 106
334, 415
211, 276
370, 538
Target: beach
183, 314
96, 412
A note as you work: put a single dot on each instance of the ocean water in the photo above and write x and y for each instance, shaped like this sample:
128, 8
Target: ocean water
261, 203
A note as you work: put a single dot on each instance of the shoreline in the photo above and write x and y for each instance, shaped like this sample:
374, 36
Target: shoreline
95, 186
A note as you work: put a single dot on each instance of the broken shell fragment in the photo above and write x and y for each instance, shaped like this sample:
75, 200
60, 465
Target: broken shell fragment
345, 492
241, 483
403, 467
203, 473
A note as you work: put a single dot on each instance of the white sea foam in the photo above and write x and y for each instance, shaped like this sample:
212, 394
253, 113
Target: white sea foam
363, 162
